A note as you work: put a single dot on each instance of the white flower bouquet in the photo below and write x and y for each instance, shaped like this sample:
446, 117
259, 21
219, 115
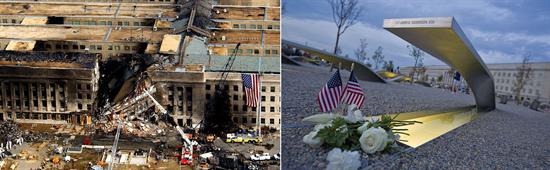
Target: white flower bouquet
354, 132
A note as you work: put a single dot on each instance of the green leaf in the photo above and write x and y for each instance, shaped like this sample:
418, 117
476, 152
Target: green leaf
336, 134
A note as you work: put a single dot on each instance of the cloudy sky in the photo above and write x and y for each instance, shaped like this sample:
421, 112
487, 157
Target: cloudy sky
502, 31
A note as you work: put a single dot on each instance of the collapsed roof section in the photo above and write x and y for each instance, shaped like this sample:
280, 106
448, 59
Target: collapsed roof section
34, 59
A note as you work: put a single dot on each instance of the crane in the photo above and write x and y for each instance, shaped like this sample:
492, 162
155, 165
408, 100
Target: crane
120, 124
217, 115
162, 110
188, 144
227, 67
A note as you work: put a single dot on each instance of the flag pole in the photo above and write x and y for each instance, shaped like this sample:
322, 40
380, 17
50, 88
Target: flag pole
337, 104
258, 109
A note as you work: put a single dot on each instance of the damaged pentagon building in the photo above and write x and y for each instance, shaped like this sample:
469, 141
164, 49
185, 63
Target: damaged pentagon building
65, 62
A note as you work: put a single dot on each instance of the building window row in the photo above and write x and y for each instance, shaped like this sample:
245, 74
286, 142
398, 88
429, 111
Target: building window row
33, 96
91, 47
525, 90
245, 120
10, 21
245, 108
255, 26
103, 22
511, 74
208, 87
254, 51
180, 100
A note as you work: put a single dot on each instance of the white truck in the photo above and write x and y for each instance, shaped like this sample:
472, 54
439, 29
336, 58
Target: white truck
260, 157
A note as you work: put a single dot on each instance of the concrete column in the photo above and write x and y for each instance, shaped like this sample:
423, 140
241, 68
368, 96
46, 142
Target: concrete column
39, 88
3, 97
184, 111
56, 97
31, 97
179, 113
48, 97
20, 103
199, 101
71, 96
65, 95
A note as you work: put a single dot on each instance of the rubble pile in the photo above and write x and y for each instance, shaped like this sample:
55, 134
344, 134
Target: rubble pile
11, 132
136, 128
132, 106
141, 122
87, 60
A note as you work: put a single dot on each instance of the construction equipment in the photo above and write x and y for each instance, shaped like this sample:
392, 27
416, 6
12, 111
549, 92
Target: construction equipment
227, 68
218, 116
120, 124
162, 110
187, 150
115, 143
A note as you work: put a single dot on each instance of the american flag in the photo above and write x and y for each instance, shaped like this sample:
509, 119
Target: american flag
329, 96
251, 83
353, 93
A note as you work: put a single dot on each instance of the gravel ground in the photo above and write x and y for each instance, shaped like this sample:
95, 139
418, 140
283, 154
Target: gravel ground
509, 137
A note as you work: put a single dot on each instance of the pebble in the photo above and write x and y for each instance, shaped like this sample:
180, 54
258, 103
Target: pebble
511, 136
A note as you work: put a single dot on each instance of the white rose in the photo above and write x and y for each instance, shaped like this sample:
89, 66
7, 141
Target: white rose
351, 108
351, 118
373, 140
320, 118
354, 114
374, 119
343, 160
311, 140
358, 115
363, 127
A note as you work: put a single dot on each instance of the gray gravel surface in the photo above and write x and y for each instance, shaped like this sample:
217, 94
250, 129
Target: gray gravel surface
511, 137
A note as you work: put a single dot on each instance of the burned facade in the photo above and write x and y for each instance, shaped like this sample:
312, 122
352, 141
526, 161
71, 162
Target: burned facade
47, 87
186, 97
184, 50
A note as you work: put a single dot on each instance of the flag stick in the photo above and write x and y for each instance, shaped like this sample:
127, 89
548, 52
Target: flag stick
258, 109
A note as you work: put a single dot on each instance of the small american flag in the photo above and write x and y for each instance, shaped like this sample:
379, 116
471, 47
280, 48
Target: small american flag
329, 96
251, 83
353, 93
